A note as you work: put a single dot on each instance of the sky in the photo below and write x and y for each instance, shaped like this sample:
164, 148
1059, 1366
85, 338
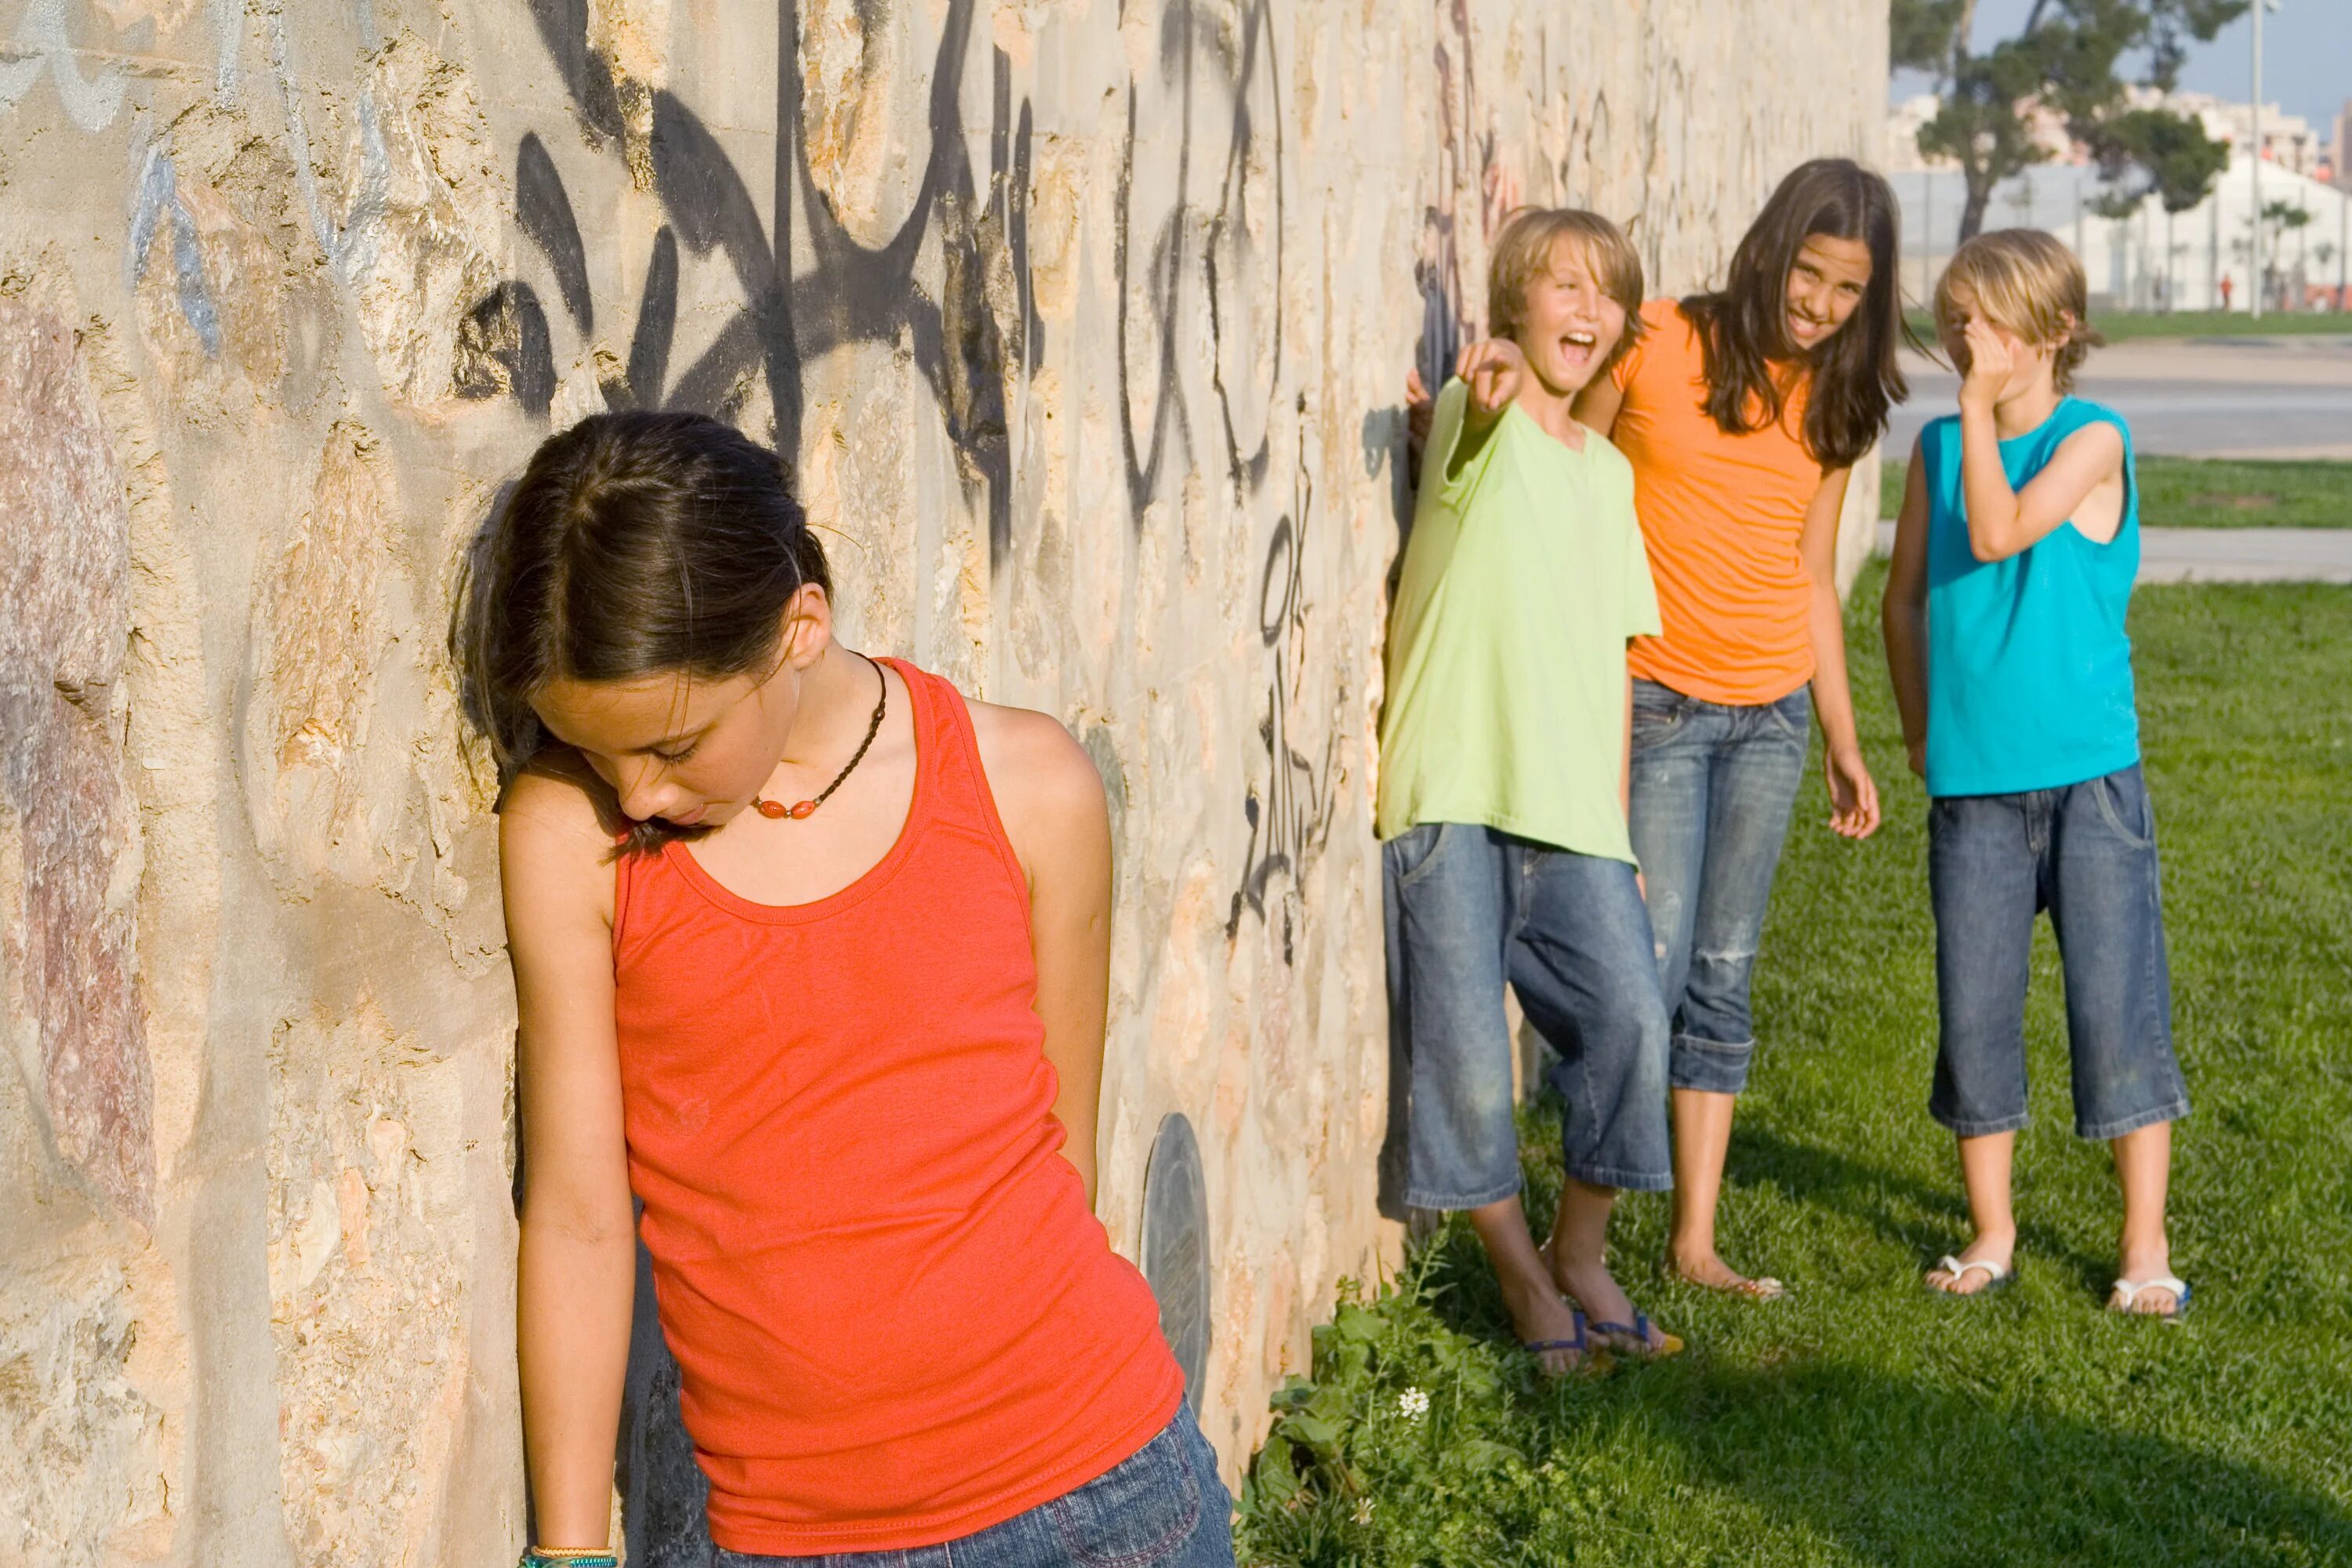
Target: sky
2306, 57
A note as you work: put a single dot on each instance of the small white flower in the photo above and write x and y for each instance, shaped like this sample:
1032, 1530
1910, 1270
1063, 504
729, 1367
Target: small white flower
1364, 1512
1412, 1403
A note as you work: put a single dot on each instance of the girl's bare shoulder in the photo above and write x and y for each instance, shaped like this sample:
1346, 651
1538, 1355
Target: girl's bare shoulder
1047, 791
1022, 749
557, 818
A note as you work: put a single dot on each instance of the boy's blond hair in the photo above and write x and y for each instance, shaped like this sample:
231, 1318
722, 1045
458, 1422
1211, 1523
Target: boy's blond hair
1524, 249
2028, 281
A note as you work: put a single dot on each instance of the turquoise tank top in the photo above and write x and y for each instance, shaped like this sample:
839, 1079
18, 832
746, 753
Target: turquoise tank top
2029, 667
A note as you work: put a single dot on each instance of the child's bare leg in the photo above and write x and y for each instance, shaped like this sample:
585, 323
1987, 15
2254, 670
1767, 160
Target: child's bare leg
1580, 1255
1701, 1143
1536, 1311
2144, 1170
1985, 1165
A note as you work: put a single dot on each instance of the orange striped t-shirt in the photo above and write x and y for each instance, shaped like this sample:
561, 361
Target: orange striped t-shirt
1721, 517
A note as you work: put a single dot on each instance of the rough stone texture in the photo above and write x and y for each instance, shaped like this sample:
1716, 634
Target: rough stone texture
1085, 323
70, 856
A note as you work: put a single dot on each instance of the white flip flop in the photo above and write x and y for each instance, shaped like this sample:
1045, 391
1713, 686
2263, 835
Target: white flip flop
1997, 1275
2126, 1294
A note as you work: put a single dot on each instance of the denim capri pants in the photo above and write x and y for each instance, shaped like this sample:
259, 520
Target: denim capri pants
1470, 908
2085, 852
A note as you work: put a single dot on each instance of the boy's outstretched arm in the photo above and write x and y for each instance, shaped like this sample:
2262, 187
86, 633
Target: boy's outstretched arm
2003, 521
1903, 615
1492, 368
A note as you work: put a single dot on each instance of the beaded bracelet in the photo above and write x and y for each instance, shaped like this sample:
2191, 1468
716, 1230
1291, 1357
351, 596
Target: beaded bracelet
568, 1557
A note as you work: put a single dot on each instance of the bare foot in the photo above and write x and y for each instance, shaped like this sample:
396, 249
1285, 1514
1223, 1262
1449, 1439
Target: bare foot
1538, 1316
1965, 1281
2146, 1263
1591, 1286
1710, 1272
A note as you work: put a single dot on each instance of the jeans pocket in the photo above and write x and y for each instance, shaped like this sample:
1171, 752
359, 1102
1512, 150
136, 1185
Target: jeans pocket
2124, 806
1794, 712
1413, 851
1140, 1512
1657, 711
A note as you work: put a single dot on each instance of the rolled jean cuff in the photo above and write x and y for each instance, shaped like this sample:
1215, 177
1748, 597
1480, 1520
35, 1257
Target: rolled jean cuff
2172, 1111
1622, 1179
1712, 1067
1415, 1197
1961, 1126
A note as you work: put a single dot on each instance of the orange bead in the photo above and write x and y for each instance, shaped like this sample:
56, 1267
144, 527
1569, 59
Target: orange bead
772, 808
802, 808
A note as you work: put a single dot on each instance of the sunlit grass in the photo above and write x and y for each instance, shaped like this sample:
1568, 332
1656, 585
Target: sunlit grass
1863, 1420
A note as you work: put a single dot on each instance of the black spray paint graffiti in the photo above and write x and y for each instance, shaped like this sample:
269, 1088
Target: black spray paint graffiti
850, 293
1214, 67
1203, 51
1290, 824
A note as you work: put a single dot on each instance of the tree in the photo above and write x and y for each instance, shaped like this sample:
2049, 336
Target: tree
2283, 218
2144, 153
2065, 62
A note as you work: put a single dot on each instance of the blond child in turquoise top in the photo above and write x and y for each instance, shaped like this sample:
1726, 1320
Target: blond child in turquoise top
2014, 558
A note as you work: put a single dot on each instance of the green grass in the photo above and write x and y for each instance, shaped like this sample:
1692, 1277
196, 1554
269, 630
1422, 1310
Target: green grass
2118, 326
1863, 1421
2212, 492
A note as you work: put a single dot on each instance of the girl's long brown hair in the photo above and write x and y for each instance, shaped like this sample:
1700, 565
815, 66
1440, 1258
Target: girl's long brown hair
1743, 326
633, 544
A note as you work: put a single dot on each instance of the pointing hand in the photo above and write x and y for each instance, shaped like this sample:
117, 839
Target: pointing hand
1495, 369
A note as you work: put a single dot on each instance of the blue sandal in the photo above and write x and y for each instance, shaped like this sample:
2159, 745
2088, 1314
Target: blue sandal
1590, 1357
1639, 1331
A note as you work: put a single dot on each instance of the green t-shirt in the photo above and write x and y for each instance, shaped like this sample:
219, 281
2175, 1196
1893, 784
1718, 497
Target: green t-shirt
1523, 577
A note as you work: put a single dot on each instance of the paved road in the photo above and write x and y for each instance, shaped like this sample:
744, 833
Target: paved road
2196, 398
2231, 555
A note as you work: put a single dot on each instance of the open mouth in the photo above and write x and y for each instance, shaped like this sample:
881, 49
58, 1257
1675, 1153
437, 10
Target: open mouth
1578, 346
1805, 328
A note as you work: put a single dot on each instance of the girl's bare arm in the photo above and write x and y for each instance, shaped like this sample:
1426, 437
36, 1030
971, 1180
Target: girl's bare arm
1051, 800
1902, 617
578, 1267
1853, 794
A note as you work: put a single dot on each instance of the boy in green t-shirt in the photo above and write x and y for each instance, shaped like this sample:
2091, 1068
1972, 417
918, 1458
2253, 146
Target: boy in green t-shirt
1502, 792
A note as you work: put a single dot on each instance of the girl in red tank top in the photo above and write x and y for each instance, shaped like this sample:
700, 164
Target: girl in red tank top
811, 958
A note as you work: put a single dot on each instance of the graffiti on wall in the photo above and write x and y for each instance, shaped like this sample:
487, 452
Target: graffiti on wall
1216, 70
1290, 816
849, 292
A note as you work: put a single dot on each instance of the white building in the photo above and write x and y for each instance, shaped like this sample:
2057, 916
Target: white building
2289, 140
2196, 260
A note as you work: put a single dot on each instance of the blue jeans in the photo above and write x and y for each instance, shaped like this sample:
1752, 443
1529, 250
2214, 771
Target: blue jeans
1713, 787
1161, 1507
2086, 852
1469, 910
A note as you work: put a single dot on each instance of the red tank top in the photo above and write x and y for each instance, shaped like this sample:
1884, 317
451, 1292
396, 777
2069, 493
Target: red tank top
896, 1320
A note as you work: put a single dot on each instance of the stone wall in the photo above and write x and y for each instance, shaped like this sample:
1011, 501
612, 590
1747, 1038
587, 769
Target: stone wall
1085, 322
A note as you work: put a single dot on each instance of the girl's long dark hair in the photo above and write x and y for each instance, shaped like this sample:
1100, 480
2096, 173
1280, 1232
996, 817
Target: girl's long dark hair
1743, 326
634, 544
